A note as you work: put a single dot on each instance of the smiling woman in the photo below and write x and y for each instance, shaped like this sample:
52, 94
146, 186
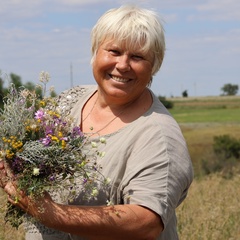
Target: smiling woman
136, 34
146, 156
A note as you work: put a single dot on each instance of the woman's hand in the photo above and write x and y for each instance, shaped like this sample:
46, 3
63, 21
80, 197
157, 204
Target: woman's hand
33, 206
9, 186
3, 174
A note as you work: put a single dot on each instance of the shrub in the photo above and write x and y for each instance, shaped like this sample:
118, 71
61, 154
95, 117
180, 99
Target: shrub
166, 103
226, 146
227, 150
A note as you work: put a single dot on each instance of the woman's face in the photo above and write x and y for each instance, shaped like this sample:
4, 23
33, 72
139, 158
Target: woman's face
122, 74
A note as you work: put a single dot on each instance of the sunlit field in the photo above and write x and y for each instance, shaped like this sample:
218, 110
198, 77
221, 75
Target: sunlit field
212, 208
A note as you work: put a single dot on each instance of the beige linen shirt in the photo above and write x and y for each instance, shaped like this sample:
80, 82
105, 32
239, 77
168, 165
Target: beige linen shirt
147, 161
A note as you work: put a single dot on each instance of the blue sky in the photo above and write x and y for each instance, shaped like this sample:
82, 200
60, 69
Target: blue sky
202, 40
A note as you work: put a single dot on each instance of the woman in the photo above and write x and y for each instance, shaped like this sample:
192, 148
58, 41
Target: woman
146, 156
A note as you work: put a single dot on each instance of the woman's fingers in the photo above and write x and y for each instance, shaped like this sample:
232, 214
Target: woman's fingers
5, 173
3, 177
1, 164
15, 196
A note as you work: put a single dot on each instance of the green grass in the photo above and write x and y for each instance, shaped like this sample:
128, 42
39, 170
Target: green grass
224, 115
206, 109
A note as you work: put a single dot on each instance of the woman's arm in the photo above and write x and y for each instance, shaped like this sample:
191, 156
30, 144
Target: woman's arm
98, 222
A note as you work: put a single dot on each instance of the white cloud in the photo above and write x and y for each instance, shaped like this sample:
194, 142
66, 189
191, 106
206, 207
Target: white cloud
82, 2
13, 9
204, 57
219, 10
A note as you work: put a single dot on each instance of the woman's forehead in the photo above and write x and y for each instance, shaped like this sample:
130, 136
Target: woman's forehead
125, 44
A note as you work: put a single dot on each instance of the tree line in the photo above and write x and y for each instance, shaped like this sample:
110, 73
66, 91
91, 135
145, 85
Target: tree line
228, 89
17, 81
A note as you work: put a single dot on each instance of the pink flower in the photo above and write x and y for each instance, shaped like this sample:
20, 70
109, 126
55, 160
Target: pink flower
39, 114
46, 141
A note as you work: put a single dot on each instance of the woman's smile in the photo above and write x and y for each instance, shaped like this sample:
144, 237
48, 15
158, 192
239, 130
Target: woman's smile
119, 79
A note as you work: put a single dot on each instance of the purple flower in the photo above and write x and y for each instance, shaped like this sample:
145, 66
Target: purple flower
39, 114
46, 141
30, 109
76, 132
52, 178
48, 130
17, 165
13, 91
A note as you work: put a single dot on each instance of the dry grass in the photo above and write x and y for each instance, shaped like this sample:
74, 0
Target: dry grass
211, 210
199, 137
6, 231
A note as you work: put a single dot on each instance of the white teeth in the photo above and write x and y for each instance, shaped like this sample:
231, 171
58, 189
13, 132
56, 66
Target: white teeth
118, 79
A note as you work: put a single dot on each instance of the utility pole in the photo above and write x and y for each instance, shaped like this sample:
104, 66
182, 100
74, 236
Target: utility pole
71, 75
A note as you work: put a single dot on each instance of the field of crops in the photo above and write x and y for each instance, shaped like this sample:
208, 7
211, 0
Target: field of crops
212, 208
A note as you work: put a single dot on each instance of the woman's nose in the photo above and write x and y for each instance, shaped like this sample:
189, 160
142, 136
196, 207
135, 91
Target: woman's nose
123, 63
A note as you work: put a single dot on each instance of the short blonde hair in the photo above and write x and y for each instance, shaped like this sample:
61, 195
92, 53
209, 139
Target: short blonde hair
137, 27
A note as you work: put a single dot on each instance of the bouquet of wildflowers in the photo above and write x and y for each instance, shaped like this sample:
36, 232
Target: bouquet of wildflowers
43, 148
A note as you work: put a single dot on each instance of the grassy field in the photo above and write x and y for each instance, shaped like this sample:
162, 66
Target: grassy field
207, 110
212, 208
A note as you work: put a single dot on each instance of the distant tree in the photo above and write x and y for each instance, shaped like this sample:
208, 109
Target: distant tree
185, 93
30, 86
16, 80
1, 92
229, 89
53, 94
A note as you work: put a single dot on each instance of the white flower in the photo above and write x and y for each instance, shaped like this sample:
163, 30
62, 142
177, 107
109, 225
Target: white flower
102, 154
33, 126
109, 203
107, 180
94, 192
94, 144
2, 154
24, 93
36, 171
51, 89
44, 77
102, 140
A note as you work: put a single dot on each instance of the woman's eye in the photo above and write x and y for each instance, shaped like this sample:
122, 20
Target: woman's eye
137, 57
114, 52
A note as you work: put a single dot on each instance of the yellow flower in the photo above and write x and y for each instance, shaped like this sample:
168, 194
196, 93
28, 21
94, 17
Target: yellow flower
63, 144
54, 138
43, 103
